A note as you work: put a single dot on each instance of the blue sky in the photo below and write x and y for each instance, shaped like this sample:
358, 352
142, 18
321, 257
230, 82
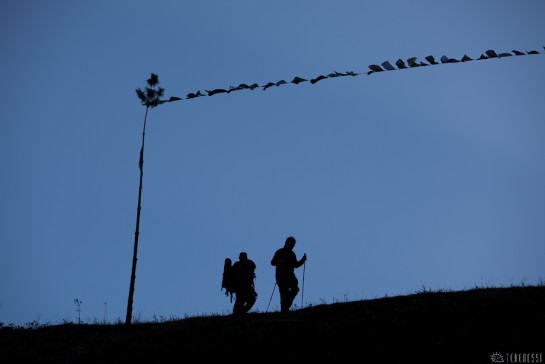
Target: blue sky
427, 177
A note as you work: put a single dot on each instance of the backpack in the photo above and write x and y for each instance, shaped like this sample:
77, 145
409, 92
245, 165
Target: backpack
229, 279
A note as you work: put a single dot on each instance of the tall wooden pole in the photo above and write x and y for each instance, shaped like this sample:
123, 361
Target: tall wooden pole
128, 319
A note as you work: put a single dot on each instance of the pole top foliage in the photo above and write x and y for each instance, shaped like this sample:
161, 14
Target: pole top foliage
150, 95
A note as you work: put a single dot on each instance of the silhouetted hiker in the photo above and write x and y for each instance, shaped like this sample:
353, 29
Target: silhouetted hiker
245, 292
285, 262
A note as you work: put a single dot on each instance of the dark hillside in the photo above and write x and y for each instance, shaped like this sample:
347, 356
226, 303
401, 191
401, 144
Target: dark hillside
441, 327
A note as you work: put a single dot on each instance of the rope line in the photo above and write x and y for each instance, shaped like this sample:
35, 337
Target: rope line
373, 68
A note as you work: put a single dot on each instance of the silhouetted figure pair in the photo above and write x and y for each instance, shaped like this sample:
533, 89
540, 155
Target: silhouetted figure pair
244, 274
285, 262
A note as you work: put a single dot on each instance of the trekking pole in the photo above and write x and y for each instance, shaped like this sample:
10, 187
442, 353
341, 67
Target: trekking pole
303, 290
271, 297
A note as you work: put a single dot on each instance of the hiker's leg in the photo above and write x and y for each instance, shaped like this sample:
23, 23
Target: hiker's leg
294, 289
291, 296
250, 300
239, 304
284, 290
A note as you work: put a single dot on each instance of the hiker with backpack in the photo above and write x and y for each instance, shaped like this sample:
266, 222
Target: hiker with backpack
243, 274
285, 261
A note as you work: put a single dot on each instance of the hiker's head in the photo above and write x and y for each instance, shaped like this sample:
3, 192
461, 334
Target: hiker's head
290, 242
243, 256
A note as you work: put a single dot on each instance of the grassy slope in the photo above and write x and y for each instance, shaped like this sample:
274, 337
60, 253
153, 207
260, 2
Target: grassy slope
442, 327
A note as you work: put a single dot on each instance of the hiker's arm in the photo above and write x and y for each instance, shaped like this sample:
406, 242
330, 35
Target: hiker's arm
277, 259
302, 261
